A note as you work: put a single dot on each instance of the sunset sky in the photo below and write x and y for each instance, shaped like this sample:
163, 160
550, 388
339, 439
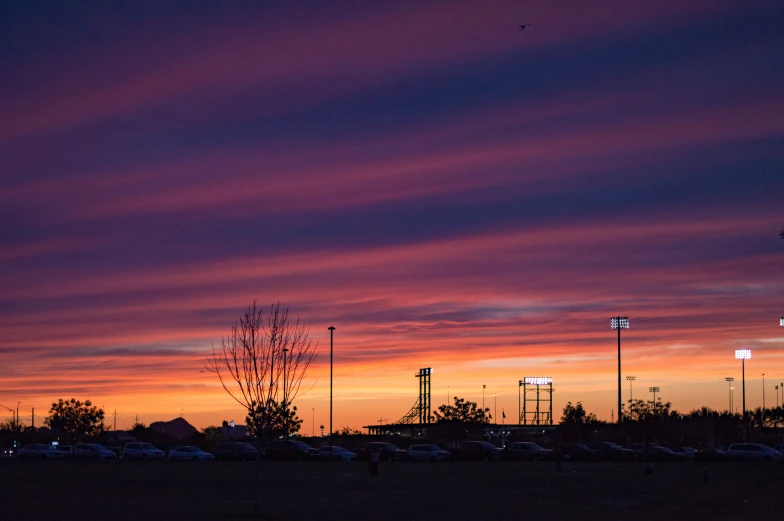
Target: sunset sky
444, 189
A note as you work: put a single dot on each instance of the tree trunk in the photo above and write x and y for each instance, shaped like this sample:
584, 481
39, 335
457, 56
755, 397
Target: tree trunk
257, 488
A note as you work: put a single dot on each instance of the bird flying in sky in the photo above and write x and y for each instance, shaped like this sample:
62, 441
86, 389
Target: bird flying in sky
524, 26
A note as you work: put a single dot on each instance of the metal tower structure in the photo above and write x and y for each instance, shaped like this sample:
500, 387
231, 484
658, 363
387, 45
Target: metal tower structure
537, 385
420, 412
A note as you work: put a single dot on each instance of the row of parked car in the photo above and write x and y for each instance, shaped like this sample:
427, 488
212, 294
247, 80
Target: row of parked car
468, 451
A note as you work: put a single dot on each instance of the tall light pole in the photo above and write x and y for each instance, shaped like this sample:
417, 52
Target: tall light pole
777, 397
781, 386
729, 380
630, 379
495, 408
519, 385
483, 396
331, 332
654, 390
619, 323
763, 391
17, 416
743, 355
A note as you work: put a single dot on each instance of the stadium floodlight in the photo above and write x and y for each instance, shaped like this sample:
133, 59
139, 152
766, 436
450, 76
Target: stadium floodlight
538, 380
743, 355
630, 379
619, 323
781, 321
729, 380
654, 390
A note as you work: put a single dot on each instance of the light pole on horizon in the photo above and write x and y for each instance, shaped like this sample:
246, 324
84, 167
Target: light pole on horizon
331, 331
777, 397
763, 391
781, 386
743, 355
654, 390
519, 385
483, 396
17, 416
729, 380
630, 379
495, 407
313, 421
619, 323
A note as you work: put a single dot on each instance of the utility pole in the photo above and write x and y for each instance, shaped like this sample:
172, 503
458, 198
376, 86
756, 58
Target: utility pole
32, 417
115, 420
763, 391
331, 334
519, 385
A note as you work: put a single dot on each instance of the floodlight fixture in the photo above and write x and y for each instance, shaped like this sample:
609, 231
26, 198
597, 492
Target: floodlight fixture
781, 321
538, 380
619, 323
630, 379
743, 354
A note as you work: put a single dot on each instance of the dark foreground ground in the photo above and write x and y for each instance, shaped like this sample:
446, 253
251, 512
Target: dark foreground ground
403, 491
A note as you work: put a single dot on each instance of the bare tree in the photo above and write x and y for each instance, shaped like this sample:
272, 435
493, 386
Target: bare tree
261, 364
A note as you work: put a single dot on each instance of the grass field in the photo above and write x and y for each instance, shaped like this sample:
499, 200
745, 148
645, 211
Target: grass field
403, 491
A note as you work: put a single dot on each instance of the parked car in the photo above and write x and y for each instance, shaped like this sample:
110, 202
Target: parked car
428, 453
480, 450
66, 450
235, 450
611, 451
93, 451
117, 449
38, 451
637, 448
389, 452
579, 452
288, 450
687, 452
753, 452
142, 451
527, 451
189, 452
711, 455
335, 453
659, 453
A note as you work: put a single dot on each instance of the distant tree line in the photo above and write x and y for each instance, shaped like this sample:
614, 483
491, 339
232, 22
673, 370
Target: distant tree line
657, 420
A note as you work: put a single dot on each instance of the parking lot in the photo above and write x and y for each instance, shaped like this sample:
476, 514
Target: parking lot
171, 490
